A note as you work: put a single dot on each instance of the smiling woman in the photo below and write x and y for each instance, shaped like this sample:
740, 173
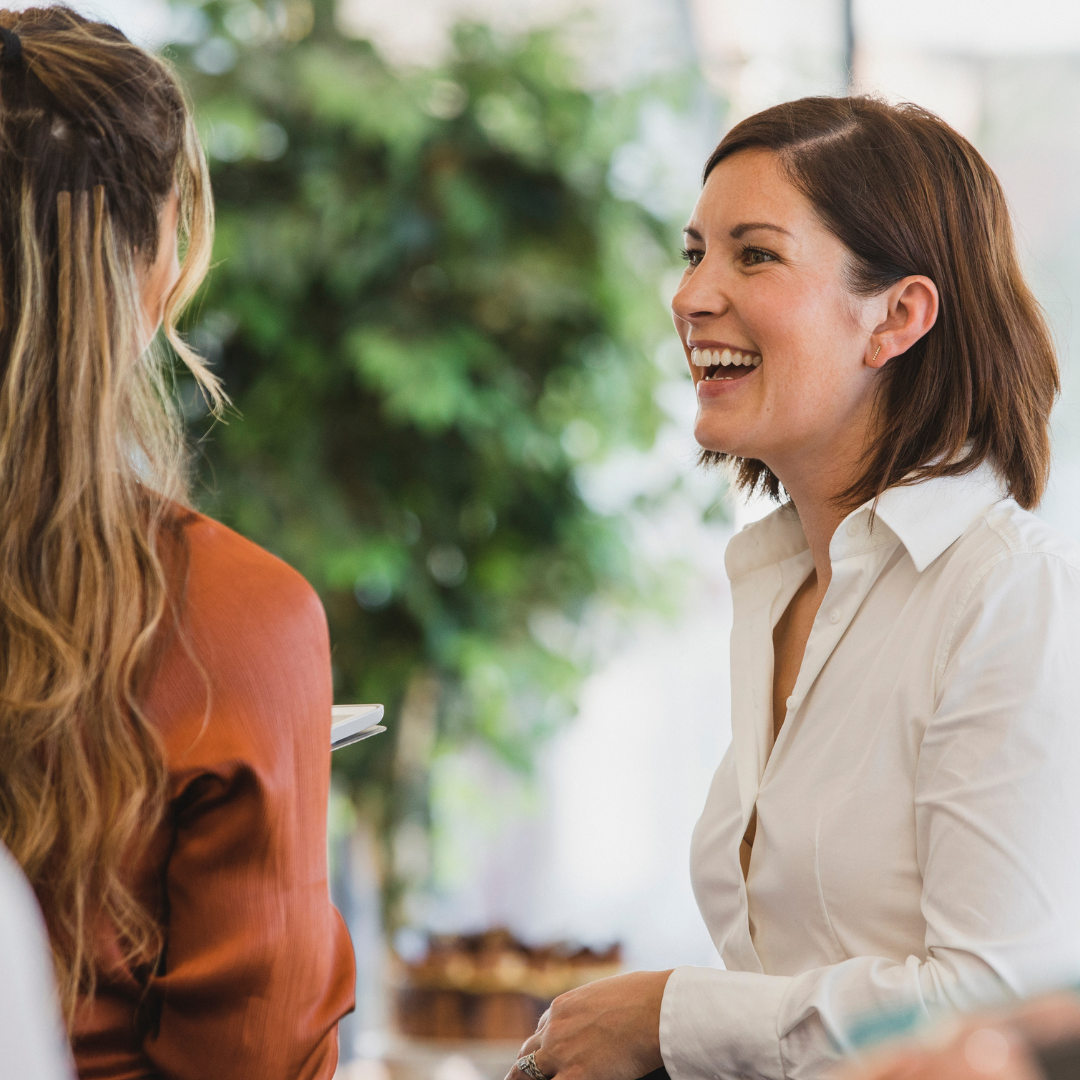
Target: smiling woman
881, 218
893, 828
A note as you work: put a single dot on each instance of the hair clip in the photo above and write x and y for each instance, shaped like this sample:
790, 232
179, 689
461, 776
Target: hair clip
12, 53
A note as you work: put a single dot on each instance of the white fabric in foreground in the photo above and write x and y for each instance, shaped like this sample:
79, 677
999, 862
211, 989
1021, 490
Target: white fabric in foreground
916, 844
33, 1044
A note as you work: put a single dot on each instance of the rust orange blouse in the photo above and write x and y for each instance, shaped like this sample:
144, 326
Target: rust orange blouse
258, 967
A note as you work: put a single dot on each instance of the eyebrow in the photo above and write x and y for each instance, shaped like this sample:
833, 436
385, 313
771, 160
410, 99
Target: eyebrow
740, 231
749, 226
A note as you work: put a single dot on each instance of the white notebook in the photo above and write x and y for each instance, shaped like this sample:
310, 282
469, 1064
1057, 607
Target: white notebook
351, 723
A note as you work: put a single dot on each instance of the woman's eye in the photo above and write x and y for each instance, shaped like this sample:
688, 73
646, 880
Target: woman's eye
752, 256
692, 255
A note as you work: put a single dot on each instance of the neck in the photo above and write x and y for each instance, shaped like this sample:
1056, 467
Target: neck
820, 518
814, 480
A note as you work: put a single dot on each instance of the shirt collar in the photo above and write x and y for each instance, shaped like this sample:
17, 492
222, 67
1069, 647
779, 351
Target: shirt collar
926, 517
930, 516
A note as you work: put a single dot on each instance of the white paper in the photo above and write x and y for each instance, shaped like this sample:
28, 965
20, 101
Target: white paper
351, 723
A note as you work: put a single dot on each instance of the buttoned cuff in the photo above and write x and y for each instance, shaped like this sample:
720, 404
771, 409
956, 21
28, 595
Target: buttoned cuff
721, 1025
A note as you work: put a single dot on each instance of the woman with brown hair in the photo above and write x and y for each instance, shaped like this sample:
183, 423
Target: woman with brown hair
165, 685
893, 829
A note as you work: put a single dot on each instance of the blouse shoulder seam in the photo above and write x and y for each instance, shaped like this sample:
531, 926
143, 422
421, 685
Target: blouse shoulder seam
1011, 551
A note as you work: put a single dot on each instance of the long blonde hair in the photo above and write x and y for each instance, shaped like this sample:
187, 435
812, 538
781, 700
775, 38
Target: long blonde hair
95, 135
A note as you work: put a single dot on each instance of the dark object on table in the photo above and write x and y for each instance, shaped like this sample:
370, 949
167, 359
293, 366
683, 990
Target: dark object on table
490, 985
455, 1014
1059, 1060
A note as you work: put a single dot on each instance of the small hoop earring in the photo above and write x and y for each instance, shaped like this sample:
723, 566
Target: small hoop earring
876, 354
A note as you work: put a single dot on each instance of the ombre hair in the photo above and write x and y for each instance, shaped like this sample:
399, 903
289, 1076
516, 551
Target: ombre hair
95, 136
907, 195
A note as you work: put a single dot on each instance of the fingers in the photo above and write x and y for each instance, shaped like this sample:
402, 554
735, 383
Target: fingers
515, 1073
530, 1044
545, 1063
533, 1041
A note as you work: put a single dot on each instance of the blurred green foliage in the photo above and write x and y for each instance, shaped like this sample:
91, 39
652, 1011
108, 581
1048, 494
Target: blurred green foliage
428, 309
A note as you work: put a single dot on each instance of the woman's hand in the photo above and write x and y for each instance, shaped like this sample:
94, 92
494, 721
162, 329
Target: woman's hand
606, 1030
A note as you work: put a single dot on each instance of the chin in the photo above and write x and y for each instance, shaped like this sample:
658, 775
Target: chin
715, 442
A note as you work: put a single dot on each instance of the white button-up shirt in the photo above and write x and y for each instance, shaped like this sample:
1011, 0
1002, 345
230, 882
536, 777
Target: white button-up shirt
918, 820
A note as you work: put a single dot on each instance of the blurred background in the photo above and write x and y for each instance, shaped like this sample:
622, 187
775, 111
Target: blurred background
447, 239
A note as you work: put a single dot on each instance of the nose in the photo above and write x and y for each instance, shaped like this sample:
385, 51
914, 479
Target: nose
700, 295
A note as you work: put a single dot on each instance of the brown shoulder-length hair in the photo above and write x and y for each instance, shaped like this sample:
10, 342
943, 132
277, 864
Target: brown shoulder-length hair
907, 194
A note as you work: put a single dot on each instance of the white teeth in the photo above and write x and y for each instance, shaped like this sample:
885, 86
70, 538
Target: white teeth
706, 358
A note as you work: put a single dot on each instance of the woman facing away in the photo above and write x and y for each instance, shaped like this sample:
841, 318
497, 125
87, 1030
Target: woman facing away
894, 827
165, 685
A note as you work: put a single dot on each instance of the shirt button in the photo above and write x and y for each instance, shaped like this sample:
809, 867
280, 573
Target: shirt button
852, 527
834, 615
792, 702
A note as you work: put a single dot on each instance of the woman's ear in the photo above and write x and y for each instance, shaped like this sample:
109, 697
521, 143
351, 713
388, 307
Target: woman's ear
912, 310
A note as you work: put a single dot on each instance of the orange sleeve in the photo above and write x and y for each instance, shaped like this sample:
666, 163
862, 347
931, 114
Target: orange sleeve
258, 967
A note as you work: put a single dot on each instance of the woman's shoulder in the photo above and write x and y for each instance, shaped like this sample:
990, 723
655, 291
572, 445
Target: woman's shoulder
1008, 530
237, 570
1015, 560
250, 642
242, 602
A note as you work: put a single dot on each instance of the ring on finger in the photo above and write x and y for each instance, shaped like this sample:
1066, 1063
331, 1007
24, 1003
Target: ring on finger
528, 1066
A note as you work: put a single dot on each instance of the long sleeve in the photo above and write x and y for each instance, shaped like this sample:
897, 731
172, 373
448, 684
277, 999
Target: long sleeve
257, 968
996, 815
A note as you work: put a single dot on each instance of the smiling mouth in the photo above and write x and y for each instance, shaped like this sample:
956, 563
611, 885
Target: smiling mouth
724, 363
